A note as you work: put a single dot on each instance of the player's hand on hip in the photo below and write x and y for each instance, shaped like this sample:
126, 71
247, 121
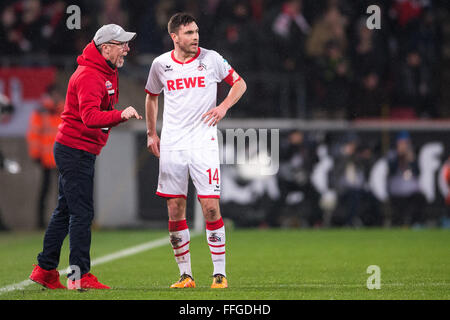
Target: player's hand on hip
213, 116
153, 144
129, 113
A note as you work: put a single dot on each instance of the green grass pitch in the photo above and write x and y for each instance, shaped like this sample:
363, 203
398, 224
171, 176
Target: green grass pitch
261, 265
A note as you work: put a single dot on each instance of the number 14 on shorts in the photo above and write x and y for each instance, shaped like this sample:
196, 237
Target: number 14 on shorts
213, 177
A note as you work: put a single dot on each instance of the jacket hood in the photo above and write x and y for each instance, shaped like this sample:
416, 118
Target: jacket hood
91, 57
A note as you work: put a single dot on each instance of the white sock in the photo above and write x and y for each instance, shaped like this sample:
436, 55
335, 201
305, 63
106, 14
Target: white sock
215, 236
180, 239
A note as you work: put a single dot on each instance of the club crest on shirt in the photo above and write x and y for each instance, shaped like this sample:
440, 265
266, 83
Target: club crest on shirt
201, 67
108, 85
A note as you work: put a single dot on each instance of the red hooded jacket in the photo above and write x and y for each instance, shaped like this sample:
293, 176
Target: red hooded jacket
89, 108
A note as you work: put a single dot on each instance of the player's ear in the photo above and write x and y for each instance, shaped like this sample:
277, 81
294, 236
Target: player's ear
174, 36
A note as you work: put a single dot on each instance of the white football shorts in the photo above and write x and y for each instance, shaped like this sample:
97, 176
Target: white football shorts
175, 167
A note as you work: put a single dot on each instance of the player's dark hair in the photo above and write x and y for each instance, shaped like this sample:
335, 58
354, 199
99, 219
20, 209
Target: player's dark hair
179, 19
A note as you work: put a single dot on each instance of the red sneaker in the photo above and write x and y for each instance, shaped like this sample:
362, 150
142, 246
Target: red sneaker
47, 278
87, 281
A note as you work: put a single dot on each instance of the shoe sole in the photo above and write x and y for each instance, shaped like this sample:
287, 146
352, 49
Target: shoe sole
86, 289
187, 287
45, 285
184, 287
80, 289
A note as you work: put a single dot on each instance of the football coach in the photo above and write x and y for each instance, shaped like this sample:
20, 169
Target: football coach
88, 116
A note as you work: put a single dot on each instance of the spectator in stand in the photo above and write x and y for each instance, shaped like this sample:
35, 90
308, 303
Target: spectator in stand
290, 22
333, 76
356, 205
331, 26
369, 97
427, 36
8, 34
290, 29
427, 40
112, 11
406, 199
288, 34
417, 44
56, 30
32, 37
406, 15
297, 159
368, 52
31, 26
413, 82
329, 68
237, 37
41, 135
446, 174
369, 64
445, 221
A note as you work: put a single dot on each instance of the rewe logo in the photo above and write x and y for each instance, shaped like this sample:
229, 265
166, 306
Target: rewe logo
186, 83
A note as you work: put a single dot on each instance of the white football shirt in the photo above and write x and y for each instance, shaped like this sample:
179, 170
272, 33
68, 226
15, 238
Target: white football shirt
190, 90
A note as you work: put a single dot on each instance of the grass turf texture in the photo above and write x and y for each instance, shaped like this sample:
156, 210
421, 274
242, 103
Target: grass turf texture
261, 264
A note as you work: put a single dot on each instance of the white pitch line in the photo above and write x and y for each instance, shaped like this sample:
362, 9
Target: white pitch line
15, 286
105, 259
349, 285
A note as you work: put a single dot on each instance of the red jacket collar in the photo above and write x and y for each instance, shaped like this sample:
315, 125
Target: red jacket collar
91, 57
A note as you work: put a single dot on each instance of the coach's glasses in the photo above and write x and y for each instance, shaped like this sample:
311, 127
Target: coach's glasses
121, 44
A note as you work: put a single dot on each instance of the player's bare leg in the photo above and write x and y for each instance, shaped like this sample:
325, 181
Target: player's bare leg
215, 236
176, 208
180, 238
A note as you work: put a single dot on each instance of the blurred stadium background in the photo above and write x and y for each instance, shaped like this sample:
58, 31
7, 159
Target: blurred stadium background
363, 114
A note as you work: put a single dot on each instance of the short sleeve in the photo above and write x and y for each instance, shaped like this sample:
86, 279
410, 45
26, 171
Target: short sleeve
224, 71
154, 85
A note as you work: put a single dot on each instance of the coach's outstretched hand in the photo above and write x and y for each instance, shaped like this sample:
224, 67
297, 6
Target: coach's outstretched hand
153, 144
129, 113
